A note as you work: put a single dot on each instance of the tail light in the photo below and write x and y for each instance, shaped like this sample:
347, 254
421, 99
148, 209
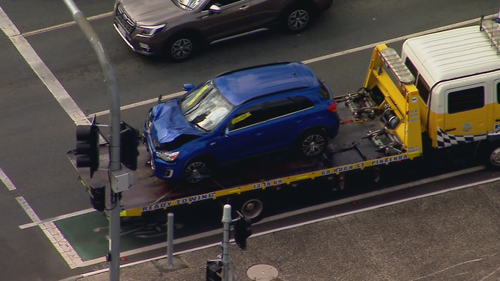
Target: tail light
332, 108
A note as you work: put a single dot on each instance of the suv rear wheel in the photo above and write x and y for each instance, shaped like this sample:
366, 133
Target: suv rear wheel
313, 143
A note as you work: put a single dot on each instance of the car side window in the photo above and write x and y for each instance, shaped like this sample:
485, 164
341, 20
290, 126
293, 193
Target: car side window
303, 103
281, 107
247, 116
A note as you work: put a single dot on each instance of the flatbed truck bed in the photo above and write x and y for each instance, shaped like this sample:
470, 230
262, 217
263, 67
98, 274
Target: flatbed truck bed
350, 150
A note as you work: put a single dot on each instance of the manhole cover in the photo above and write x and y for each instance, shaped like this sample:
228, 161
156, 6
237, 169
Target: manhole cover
262, 272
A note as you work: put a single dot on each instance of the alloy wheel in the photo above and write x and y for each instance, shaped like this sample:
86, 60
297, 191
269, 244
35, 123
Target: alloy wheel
313, 145
298, 20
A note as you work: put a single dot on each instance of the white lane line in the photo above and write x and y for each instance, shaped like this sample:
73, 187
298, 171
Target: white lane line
393, 40
372, 194
382, 205
3, 177
54, 235
64, 25
302, 211
297, 225
322, 58
137, 104
58, 218
41, 70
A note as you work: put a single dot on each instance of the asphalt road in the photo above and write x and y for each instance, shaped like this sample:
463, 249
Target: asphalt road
36, 132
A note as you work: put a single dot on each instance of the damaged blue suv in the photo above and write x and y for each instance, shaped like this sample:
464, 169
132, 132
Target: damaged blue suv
239, 114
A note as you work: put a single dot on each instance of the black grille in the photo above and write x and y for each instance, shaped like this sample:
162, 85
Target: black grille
124, 20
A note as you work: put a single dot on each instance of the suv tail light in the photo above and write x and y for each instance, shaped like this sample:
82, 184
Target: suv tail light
332, 108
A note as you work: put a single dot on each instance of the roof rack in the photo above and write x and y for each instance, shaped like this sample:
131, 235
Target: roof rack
492, 30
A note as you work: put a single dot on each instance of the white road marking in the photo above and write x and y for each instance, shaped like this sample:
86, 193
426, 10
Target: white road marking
54, 235
137, 104
292, 226
326, 57
58, 218
64, 25
393, 40
3, 177
373, 194
163, 245
41, 70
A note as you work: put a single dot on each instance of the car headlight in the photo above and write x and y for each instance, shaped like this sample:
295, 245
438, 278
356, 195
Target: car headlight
167, 155
150, 30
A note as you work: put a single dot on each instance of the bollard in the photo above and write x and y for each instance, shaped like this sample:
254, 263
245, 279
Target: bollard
170, 239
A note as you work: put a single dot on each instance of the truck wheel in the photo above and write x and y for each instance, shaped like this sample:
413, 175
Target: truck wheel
181, 47
296, 18
492, 156
313, 143
251, 208
196, 171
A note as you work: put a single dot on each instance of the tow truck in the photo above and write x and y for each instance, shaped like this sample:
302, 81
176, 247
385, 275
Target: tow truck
441, 97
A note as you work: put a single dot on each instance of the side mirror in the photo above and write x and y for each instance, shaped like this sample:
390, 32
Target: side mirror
188, 87
226, 132
214, 9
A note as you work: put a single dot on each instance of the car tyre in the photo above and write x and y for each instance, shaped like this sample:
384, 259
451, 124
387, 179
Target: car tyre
296, 18
181, 47
196, 171
313, 143
491, 156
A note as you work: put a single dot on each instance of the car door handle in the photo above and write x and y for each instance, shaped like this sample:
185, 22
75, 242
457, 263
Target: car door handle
497, 120
449, 130
212, 143
243, 8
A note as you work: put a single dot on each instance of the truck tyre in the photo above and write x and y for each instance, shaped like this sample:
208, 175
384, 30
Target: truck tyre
251, 208
181, 47
491, 157
196, 171
313, 143
297, 18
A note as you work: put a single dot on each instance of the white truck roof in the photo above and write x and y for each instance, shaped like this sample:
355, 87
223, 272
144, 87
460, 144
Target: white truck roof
453, 53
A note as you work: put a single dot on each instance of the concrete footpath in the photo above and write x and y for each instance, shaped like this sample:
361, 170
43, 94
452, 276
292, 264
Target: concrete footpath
452, 235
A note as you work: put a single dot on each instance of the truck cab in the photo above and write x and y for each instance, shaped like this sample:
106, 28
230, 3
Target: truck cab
457, 75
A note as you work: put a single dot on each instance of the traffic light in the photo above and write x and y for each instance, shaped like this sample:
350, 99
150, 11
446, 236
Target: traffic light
98, 197
242, 230
214, 271
129, 141
87, 147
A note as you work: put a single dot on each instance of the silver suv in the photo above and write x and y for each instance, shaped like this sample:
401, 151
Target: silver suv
179, 28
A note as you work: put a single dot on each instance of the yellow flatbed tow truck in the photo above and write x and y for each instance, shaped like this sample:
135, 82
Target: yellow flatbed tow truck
438, 96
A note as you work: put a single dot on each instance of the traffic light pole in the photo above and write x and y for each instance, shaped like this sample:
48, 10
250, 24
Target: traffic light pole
114, 149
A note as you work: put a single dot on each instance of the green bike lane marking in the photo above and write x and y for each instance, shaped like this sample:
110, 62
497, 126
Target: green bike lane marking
88, 234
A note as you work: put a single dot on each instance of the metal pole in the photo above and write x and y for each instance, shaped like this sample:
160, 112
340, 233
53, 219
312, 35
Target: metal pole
114, 148
170, 239
226, 219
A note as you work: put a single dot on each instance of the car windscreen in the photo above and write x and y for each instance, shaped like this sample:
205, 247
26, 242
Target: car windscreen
205, 107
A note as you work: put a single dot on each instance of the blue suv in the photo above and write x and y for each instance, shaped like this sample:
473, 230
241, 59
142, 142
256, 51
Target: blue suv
238, 114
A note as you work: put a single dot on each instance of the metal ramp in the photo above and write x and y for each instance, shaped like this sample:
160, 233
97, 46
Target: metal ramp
492, 30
